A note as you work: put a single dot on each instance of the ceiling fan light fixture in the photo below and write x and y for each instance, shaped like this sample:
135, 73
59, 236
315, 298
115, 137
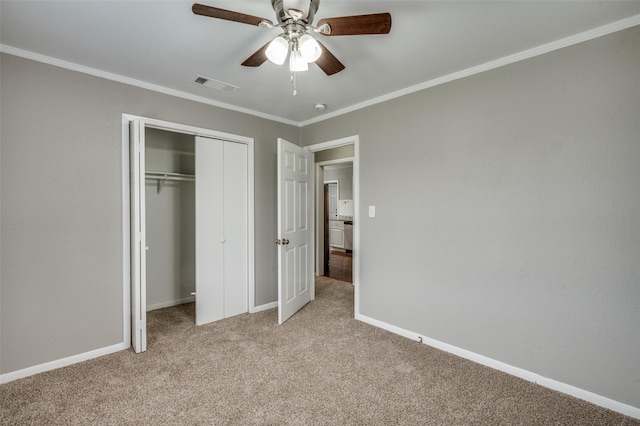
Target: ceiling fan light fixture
278, 50
297, 62
309, 48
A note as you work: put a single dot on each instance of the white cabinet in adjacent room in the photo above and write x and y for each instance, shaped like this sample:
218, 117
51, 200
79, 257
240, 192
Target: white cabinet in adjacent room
336, 233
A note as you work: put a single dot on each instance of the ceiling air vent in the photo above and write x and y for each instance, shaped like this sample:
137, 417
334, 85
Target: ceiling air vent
215, 84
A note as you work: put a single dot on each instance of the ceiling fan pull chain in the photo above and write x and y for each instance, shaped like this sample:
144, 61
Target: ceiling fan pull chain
294, 80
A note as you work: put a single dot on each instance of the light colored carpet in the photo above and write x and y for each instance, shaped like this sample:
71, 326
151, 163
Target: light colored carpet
321, 367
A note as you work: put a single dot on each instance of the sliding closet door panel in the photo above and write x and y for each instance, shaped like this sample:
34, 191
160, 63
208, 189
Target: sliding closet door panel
209, 230
235, 229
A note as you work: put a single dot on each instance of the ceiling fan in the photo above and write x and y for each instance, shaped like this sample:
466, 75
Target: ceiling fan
295, 18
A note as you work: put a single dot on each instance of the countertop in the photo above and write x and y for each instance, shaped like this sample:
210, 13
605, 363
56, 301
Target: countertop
343, 218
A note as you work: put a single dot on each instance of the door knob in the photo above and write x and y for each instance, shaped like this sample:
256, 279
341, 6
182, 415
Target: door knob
278, 242
285, 241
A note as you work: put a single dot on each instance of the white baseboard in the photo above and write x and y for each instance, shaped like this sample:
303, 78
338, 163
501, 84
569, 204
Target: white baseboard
170, 303
192, 299
264, 307
52, 365
530, 376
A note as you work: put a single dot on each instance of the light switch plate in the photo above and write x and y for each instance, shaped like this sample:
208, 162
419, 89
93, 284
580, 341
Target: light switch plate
372, 211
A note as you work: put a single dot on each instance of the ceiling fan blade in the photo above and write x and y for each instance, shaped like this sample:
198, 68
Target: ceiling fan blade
377, 23
229, 15
257, 58
327, 62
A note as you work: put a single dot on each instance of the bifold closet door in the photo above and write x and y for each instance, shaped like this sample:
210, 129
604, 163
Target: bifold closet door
221, 229
235, 218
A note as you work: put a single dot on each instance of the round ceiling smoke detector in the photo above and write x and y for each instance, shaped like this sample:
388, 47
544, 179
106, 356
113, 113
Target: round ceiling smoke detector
320, 107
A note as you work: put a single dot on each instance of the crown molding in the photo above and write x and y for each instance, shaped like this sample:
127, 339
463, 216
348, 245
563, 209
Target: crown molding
620, 25
138, 83
520, 56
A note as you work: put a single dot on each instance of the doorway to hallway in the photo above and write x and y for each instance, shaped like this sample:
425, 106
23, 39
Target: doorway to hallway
350, 145
338, 218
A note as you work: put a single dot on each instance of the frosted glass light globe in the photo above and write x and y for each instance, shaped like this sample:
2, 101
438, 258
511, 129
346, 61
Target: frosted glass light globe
309, 48
277, 50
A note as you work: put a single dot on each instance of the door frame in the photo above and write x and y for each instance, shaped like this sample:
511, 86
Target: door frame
319, 227
337, 182
127, 120
328, 182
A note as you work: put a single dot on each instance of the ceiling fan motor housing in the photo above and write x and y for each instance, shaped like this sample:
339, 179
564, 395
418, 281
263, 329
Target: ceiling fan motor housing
279, 8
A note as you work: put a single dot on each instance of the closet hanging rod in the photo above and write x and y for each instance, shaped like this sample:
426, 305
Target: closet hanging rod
169, 176
162, 177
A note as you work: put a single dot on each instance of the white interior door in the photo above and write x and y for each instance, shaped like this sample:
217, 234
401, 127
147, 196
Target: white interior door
295, 248
209, 230
138, 239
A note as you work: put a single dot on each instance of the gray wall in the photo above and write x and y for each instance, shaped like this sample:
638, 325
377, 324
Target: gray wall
170, 219
61, 172
520, 213
344, 176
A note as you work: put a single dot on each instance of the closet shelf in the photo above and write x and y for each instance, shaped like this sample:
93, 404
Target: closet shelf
162, 177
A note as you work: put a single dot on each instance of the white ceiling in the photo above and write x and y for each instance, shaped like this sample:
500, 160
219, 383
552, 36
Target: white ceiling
164, 45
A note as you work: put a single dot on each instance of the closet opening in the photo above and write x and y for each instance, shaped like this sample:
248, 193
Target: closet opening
170, 219
188, 232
